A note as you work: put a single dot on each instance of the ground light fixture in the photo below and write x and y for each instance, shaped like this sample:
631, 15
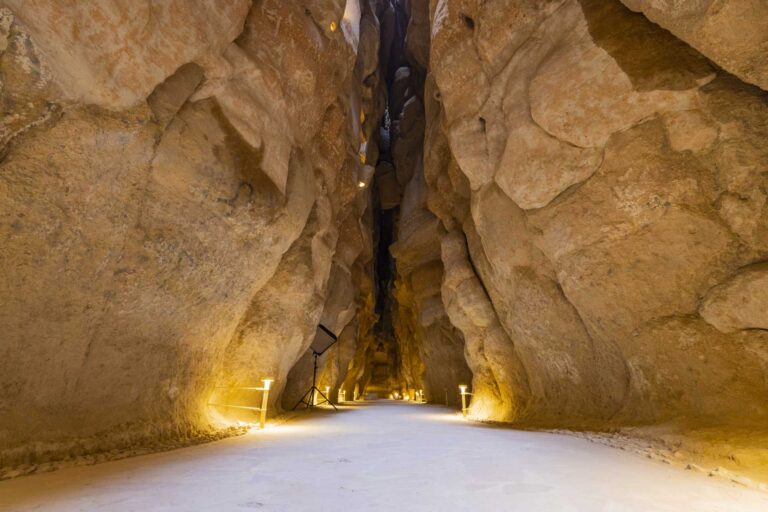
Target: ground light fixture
266, 384
463, 392
365, 176
265, 401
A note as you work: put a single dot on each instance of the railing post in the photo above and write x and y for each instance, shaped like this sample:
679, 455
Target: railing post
463, 390
264, 402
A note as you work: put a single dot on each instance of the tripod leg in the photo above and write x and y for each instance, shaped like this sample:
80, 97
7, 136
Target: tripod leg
326, 399
311, 400
302, 401
319, 401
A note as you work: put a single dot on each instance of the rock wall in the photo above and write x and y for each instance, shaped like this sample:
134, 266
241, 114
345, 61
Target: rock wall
433, 350
601, 190
732, 34
177, 179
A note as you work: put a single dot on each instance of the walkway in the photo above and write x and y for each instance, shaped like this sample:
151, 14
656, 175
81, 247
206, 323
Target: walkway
382, 456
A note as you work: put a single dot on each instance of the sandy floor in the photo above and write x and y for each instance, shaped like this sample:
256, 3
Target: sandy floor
383, 456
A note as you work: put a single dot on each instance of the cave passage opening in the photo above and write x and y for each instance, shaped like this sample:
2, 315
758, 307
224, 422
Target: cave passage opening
415, 352
384, 378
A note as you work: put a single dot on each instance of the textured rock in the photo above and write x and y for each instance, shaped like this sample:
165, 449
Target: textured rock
417, 34
432, 350
609, 194
114, 53
388, 186
169, 198
734, 34
168, 97
264, 344
499, 380
567, 374
739, 303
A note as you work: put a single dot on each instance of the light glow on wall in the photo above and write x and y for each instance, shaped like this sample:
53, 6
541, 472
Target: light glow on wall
266, 384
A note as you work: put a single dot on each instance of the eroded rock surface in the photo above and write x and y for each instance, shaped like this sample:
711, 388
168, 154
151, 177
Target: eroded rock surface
179, 200
612, 199
734, 34
113, 54
740, 302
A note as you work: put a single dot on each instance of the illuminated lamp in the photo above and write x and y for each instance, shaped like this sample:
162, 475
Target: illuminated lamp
464, 393
365, 176
264, 401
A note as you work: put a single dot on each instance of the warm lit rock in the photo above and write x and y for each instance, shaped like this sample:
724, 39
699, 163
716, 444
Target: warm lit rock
731, 33
613, 186
740, 302
431, 348
500, 384
114, 54
163, 177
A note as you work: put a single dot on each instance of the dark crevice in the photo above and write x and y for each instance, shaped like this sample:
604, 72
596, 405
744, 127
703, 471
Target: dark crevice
383, 358
474, 268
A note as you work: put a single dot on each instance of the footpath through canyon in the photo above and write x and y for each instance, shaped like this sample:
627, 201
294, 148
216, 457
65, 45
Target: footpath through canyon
383, 456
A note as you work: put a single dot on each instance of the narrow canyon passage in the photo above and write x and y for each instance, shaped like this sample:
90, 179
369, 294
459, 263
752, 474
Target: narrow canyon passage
549, 215
383, 456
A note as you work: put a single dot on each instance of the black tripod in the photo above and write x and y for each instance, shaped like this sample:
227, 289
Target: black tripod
309, 396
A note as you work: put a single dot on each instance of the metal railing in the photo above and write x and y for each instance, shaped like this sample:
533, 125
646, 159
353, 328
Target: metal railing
264, 400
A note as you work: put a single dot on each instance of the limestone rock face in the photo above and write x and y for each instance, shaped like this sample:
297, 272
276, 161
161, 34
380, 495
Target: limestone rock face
734, 34
432, 350
281, 344
500, 384
739, 303
114, 53
177, 179
603, 185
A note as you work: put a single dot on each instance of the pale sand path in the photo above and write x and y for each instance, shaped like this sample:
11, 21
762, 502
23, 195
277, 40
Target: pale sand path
383, 456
